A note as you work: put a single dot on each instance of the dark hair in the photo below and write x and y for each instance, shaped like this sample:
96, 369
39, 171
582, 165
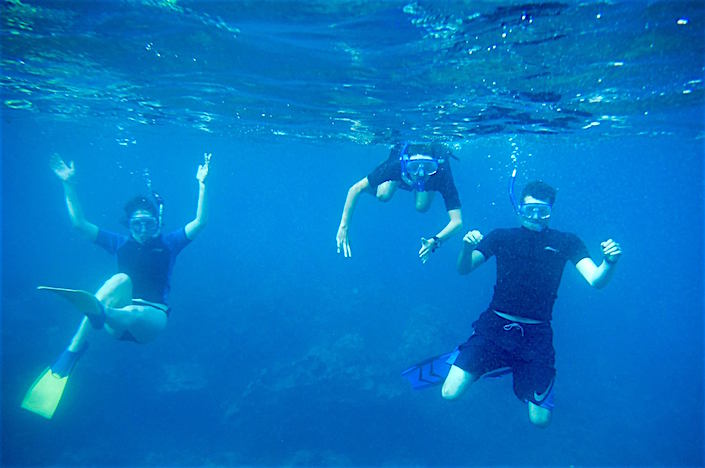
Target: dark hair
139, 203
435, 149
539, 190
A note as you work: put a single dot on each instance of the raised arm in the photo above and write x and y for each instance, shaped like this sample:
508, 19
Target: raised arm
428, 246
199, 222
66, 173
354, 192
469, 258
599, 276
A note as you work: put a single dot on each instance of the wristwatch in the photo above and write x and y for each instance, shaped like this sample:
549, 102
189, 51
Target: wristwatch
609, 261
436, 243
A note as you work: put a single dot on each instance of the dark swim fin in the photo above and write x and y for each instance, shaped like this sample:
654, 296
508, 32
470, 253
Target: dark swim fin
45, 393
84, 301
431, 371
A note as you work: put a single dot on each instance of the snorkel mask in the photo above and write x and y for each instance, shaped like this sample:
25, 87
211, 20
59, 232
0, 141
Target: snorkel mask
416, 168
533, 216
143, 226
144, 217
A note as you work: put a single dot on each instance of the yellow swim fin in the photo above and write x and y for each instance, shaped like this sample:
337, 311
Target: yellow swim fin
45, 393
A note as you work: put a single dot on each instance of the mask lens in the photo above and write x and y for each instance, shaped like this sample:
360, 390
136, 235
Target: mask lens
144, 225
535, 210
420, 165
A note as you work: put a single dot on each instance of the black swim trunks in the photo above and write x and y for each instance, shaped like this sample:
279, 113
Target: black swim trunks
527, 349
126, 335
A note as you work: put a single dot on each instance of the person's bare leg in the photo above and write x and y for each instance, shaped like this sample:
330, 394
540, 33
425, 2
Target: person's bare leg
115, 292
386, 190
78, 342
456, 383
143, 322
423, 201
540, 417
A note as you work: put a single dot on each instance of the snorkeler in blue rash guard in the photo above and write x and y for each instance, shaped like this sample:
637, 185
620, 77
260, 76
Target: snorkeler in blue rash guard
131, 305
134, 300
419, 168
515, 331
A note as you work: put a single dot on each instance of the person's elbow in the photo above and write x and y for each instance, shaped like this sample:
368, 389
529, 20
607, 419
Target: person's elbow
456, 220
193, 228
202, 219
357, 188
78, 224
456, 224
85, 228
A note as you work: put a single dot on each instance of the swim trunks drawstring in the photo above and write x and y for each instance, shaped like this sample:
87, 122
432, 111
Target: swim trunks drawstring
513, 325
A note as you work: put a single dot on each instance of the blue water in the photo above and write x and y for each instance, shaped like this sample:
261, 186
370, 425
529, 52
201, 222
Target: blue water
278, 351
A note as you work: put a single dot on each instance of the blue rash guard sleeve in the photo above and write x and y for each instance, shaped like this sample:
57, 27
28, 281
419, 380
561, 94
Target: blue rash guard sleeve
176, 241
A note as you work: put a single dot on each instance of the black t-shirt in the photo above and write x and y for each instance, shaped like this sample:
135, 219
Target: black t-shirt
441, 181
529, 268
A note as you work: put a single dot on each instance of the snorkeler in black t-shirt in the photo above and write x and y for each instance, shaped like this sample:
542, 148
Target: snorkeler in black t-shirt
419, 168
514, 334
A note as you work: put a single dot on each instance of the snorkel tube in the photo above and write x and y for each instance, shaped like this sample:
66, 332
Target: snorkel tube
512, 198
416, 169
160, 207
404, 158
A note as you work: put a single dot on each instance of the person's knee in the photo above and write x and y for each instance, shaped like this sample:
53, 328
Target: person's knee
422, 206
116, 292
450, 392
385, 191
122, 280
539, 417
423, 201
456, 383
384, 196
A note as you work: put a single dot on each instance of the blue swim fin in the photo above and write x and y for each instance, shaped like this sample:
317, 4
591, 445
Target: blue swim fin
45, 393
432, 371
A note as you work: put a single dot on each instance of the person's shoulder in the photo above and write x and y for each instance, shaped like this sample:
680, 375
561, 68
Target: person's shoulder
176, 236
105, 234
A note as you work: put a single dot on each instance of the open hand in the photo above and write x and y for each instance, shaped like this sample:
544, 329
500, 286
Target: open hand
427, 248
63, 171
203, 168
341, 240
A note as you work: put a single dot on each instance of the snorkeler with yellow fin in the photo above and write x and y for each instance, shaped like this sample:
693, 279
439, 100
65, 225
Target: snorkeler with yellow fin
131, 305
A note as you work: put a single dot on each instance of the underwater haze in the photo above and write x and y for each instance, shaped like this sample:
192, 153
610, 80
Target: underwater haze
279, 351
